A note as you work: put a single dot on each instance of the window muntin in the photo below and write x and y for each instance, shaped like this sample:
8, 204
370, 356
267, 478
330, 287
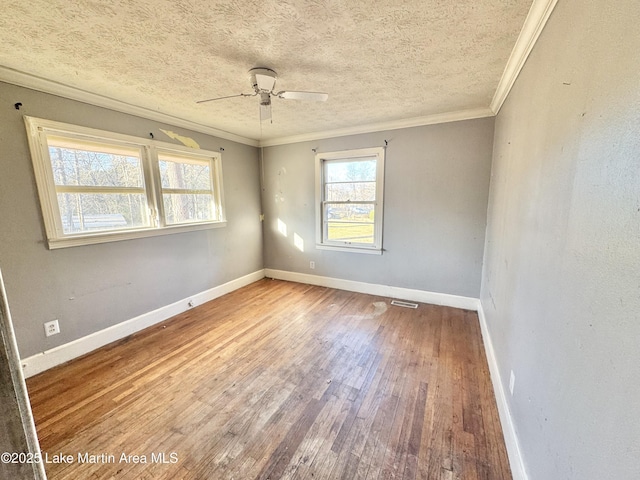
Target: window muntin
350, 199
96, 186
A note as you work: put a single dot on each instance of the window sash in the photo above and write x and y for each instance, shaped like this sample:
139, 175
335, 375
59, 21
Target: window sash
77, 220
336, 223
327, 222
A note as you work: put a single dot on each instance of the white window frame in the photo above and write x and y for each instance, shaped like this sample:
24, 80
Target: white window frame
37, 131
322, 242
215, 172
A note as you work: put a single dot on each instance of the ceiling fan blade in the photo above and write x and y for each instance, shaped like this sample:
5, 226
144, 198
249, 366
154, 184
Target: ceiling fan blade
265, 112
228, 96
310, 96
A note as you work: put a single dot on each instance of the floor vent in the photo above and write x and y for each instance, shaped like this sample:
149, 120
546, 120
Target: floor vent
400, 303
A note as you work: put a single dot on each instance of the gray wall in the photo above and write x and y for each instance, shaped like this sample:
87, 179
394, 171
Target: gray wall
92, 287
436, 188
561, 282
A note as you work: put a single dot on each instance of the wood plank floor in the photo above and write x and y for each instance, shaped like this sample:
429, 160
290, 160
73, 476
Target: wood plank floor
279, 380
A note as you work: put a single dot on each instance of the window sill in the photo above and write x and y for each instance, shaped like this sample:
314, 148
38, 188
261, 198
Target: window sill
102, 237
341, 248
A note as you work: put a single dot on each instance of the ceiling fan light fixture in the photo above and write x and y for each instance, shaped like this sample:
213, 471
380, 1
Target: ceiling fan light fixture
263, 79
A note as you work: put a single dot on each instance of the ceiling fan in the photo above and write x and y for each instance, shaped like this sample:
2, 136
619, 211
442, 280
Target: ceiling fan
263, 82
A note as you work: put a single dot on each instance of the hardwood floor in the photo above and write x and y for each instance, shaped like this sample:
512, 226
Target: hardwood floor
280, 380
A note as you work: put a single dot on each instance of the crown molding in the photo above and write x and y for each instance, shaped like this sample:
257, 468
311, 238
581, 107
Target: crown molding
533, 25
33, 82
40, 84
380, 127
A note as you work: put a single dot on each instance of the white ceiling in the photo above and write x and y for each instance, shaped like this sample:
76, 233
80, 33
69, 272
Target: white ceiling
381, 62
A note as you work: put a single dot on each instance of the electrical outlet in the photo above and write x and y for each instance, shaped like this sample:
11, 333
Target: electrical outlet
51, 328
312, 265
512, 382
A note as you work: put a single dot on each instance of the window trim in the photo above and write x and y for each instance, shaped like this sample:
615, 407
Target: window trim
37, 130
321, 242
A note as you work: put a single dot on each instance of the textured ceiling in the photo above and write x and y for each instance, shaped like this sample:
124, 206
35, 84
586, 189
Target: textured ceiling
379, 61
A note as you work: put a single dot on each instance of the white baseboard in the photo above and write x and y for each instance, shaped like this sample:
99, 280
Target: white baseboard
422, 296
63, 353
508, 428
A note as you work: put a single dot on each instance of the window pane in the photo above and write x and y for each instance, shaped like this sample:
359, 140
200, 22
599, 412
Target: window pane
183, 175
351, 170
185, 208
350, 223
80, 166
85, 212
344, 192
350, 232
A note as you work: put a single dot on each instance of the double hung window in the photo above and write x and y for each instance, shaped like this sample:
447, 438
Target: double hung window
186, 184
349, 200
96, 186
